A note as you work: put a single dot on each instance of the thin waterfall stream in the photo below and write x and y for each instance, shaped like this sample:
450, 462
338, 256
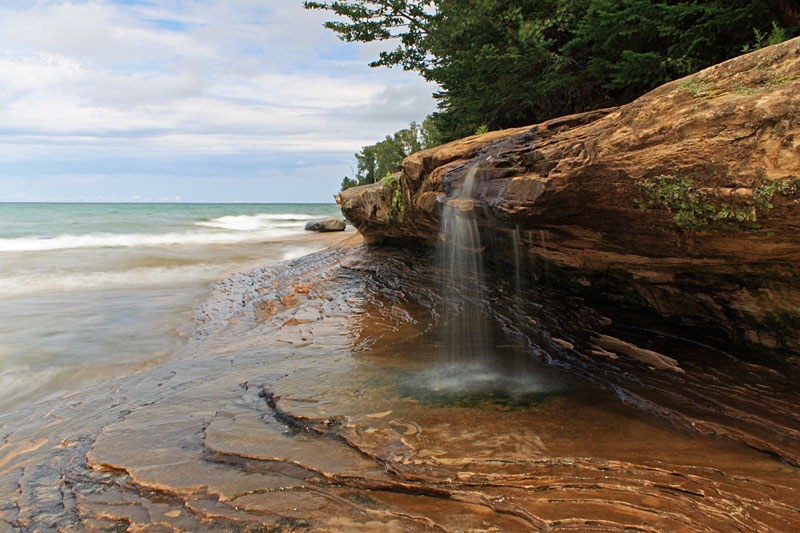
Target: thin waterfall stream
517, 243
466, 330
474, 359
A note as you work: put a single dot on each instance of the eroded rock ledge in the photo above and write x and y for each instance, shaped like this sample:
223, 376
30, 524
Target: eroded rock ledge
305, 403
568, 193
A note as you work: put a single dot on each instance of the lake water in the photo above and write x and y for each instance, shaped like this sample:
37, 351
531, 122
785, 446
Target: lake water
93, 291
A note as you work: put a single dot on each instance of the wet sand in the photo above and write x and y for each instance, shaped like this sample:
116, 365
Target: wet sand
314, 396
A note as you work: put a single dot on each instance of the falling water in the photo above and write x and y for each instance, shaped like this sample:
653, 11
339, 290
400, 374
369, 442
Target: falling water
531, 260
517, 276
471, 365
466, 331
543, 237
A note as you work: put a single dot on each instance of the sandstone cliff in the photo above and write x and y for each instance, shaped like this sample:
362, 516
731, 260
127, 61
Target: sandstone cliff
684, 201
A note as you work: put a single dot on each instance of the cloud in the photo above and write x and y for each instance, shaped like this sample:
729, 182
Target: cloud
398, 102
91, 80
96, 32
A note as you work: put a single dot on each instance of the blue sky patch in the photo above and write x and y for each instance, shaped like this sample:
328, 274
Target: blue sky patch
170, 24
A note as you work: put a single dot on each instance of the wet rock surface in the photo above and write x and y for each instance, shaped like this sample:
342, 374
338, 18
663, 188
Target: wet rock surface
314, 396
571, 189
326, 224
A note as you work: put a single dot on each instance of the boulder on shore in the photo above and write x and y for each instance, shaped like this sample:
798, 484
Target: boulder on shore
685, 201
326, 224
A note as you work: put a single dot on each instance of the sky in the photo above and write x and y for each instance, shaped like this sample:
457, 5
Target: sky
188, 100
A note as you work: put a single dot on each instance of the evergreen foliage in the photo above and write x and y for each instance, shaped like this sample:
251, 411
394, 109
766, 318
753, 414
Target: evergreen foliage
504, 63
635, 45
381, 20
499, 64
378, 160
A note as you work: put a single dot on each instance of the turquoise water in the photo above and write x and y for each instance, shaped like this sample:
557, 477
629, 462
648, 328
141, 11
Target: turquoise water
23, 224
92, 291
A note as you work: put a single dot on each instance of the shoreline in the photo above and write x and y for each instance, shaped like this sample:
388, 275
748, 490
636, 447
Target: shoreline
285, 411
329, 239
226, 295
74, 317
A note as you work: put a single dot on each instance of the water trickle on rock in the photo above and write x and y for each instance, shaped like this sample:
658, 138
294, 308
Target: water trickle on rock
517, 275
543, 238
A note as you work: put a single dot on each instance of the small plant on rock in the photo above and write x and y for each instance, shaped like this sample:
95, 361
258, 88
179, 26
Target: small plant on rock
397, 205
775, 36
695, 87
697, 209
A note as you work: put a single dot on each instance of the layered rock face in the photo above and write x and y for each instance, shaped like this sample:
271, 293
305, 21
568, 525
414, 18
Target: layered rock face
684, 201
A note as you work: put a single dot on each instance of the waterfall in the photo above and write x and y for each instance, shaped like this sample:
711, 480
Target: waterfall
465, 326
543, 237
470, 366
517, 275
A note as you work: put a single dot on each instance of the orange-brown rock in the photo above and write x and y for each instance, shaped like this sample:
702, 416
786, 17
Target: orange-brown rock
566, 192
341, 414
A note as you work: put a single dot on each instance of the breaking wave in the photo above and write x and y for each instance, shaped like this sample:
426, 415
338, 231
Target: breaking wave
52, 282
128, 240
257, 222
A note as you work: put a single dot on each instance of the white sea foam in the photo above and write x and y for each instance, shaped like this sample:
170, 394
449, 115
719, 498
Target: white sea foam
128, 240
256, 222
294, 253
134, 278
51, 282
19, 380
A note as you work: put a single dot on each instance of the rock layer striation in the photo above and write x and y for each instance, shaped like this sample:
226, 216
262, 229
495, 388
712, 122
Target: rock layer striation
310, 399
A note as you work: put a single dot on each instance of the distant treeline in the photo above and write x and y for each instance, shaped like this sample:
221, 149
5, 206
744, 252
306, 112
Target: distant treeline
505, 63
378, 160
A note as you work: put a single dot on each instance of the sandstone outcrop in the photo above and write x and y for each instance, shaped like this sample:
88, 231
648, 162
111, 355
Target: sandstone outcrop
684, 200
311, 398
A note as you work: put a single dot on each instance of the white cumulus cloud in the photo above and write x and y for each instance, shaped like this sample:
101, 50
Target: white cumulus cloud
97, 79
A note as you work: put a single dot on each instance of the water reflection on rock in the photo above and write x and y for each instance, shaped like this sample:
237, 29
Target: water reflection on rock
314, 397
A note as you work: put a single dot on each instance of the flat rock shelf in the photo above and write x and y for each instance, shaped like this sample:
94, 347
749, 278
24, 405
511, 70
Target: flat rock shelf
313, 397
